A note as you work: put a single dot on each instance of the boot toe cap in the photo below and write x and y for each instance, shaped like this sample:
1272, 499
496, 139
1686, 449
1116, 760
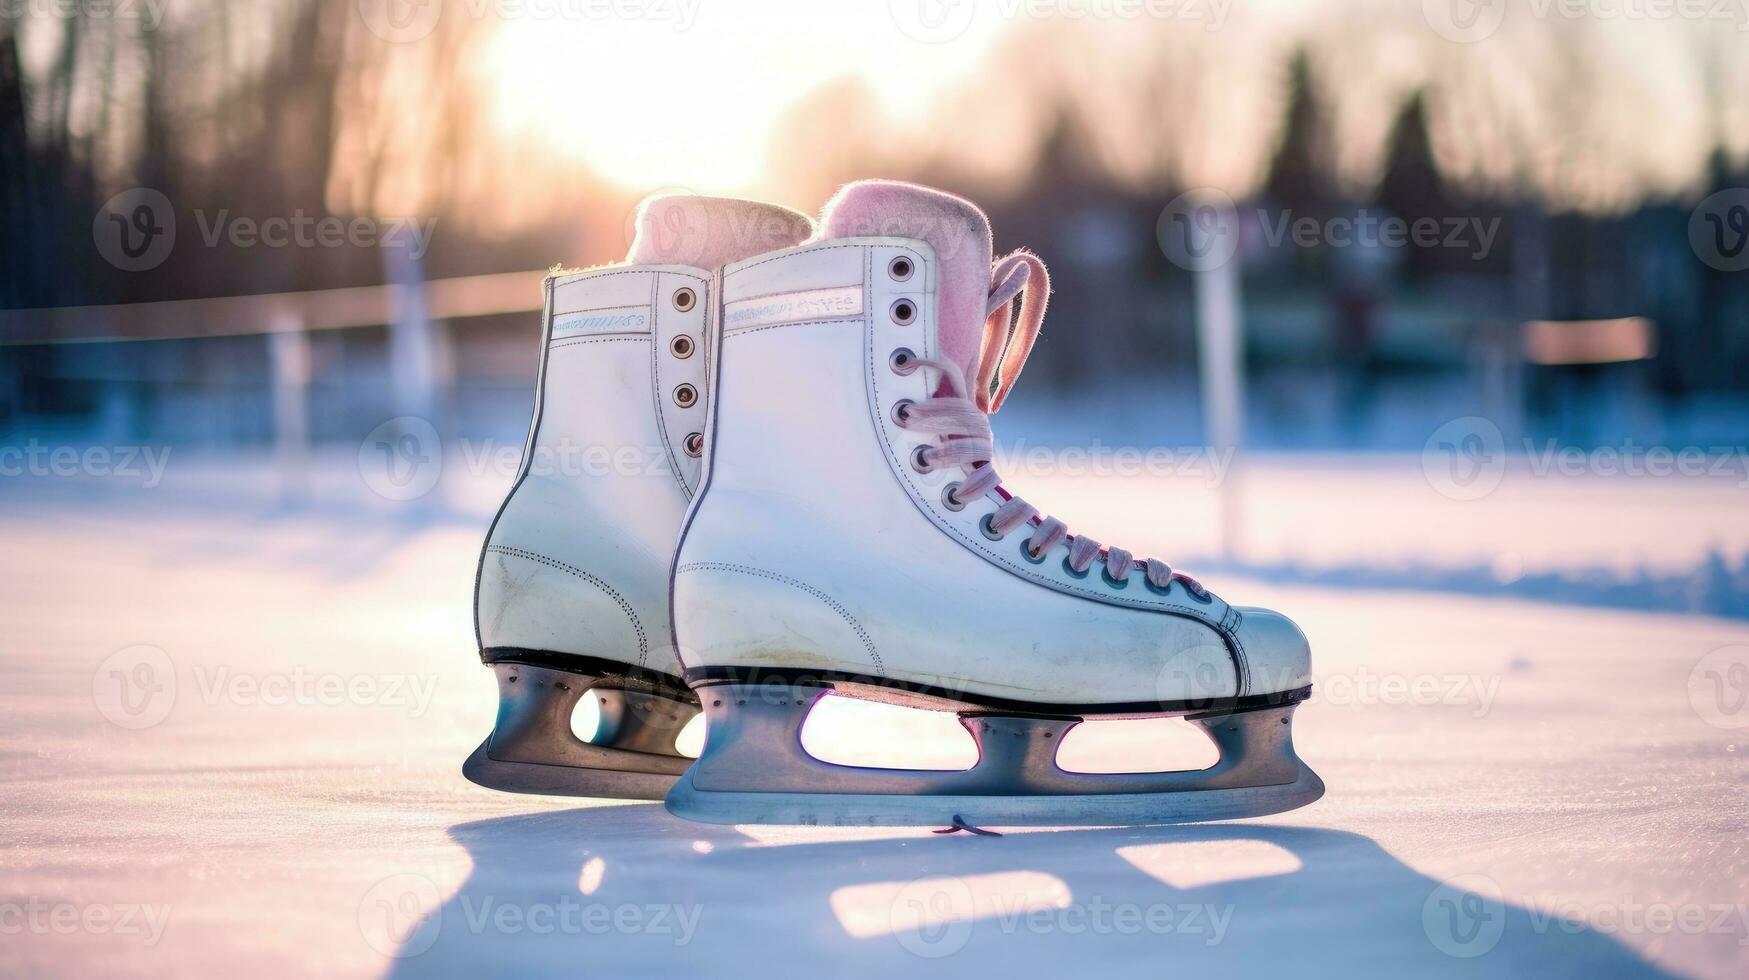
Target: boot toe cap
1278, 656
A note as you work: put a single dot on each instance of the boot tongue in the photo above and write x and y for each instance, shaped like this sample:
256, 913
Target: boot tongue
957, 231
707, 232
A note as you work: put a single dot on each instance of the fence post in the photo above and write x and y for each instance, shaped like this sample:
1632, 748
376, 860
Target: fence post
288, 348
1220, 353
412, 349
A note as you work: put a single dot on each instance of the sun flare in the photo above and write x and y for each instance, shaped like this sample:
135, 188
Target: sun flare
687, 95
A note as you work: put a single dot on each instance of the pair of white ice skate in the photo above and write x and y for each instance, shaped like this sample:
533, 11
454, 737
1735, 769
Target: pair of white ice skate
759, 472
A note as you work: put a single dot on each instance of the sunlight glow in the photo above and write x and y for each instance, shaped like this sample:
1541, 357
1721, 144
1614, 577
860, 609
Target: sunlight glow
928, 904
668, 101
1193, 864
590, 878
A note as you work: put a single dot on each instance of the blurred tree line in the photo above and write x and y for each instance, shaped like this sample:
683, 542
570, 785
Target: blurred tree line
293, 107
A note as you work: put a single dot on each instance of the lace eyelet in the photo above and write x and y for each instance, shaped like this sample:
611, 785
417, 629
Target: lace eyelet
904, 312
1149, 583
1026, 552
948, 499
681, 346
1200, 594
918, 463
694, 444
684, 298
903, 361
1117, 583
900, 268
987, 525
1069, 569
685, 395
902, 412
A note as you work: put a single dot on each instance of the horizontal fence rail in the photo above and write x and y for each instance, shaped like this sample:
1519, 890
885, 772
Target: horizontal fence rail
268, 313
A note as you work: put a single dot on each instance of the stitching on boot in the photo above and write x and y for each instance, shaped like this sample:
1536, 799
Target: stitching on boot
642, 338
1241, 660
745, 331
836, 606
626, 607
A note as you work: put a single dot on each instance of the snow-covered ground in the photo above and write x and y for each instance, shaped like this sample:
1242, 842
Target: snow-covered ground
231, 732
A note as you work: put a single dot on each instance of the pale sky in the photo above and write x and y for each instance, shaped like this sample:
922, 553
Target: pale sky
687, 95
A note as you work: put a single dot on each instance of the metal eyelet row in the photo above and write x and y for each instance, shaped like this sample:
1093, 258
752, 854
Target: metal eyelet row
683, 347
986, 524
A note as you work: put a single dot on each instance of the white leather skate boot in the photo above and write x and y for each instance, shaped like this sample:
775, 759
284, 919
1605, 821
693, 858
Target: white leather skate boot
852, 537
572, 590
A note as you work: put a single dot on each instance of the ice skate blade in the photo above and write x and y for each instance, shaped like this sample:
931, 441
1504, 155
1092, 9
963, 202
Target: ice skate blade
532, 748
754, 771
1083, 810
559, 780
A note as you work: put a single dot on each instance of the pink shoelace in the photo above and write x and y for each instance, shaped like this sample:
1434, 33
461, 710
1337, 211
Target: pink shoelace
962, 421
